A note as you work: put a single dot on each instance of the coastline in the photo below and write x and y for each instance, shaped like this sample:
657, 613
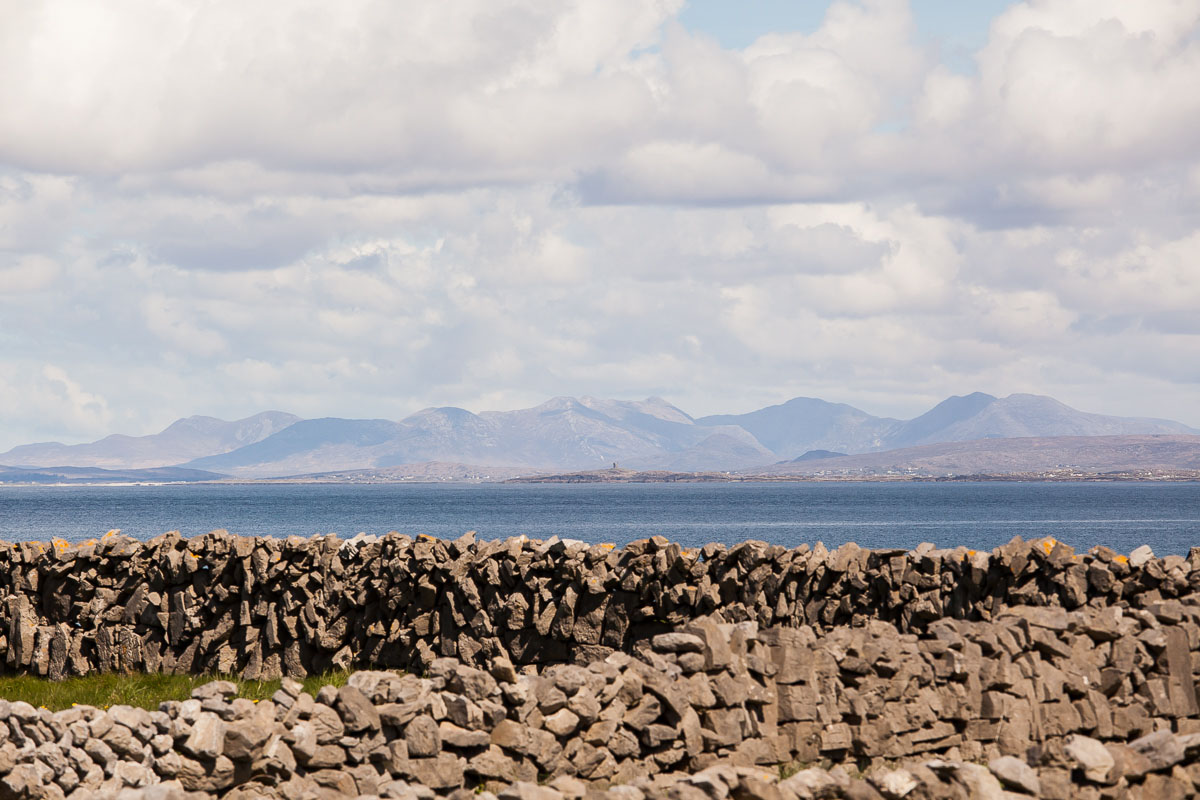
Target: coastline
654, 476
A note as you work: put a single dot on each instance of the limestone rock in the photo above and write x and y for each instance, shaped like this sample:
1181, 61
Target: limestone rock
1015, 774
1093, 759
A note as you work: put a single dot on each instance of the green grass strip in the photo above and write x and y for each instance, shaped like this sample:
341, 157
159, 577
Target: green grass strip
137, 689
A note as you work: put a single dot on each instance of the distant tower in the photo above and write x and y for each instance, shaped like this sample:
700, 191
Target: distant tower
614, 465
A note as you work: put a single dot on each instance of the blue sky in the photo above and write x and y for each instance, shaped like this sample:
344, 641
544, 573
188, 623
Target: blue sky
956, 27
364, 209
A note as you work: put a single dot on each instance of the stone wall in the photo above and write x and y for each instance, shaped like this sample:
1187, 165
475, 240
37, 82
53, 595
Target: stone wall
262, 607
1048, 703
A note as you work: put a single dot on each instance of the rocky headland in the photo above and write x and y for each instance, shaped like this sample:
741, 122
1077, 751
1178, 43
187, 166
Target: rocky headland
554, 670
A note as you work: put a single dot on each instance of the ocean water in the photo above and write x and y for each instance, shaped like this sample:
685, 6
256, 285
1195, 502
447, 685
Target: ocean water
979, 515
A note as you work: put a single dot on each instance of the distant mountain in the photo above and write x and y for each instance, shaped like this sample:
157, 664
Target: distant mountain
929, 426
562, 433
572, 434
806, 423
55, 475
311, 445
181, 441
817, 455
1025, 415
720, 451
1092, 454
424, 472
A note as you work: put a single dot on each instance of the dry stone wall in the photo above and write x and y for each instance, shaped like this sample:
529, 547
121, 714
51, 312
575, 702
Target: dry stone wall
263, 607
1038, 703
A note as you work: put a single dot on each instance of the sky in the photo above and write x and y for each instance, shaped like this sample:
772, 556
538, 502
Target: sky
362, 209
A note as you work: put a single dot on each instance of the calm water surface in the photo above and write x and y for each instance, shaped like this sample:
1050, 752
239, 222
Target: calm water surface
980, 515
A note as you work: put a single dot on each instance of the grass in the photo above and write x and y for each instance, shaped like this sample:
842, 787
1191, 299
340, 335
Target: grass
790, 768
138, 689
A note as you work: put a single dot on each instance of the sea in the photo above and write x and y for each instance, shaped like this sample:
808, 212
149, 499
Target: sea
1166, 516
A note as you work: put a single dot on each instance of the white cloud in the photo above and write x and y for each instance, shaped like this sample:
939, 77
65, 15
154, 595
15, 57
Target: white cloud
367, 208
44, 401
30, 273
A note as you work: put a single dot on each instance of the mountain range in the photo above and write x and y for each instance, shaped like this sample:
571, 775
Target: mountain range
577, 433
182, 440
1080, 454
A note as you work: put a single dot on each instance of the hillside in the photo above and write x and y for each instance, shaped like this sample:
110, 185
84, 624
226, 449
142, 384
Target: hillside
562, 433
1026, 415
183, 440
1089, 454
426, 472
806, 424
586, 433
97, 475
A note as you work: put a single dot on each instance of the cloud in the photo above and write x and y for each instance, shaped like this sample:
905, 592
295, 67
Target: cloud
371, 208
30, 273
44, 401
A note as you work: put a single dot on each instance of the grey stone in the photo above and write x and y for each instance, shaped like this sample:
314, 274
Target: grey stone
646, 712
21, 782
167, 790
327, 723
1091, 756
358, 714
398, 714
562, 723
492, 764
121, 740
524, 790
503, 670
454, 736
511, 735
570, 788
473, 683
276, 755
326, 756
463, 712
244, 739
218, 690
303, 740
1015, 774
338, 781
442, 772
132, 774
677, 642
1161, 748
207, 738
1140, 555
423, 738
813, 782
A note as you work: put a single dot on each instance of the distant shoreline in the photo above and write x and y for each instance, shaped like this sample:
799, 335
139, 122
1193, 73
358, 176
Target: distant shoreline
630, 476
661, 477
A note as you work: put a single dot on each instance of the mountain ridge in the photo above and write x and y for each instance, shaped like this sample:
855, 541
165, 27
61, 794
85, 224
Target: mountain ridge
183, 440
1086, 454
569, 433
